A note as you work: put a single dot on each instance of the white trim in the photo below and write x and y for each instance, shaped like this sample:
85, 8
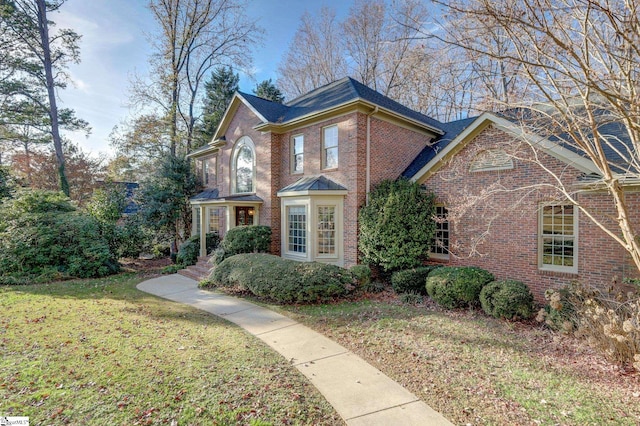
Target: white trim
557, 268
311, 192
311, 203
240, 143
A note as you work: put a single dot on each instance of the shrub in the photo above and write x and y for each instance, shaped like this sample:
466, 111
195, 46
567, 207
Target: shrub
507, 299
362, 274
190, 249
609, 322
397, 226
45, 236
244, 239
411, 280
559, 313
454, 287
282, 280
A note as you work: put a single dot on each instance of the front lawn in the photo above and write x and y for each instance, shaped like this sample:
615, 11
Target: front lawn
478, 370
101, 352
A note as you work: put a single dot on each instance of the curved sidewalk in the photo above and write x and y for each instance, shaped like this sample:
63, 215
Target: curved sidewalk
360, 393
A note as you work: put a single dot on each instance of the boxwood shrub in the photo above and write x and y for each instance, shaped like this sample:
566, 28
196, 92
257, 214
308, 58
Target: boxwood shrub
282, 280
455, 287
507, 299
244, 239
411, 280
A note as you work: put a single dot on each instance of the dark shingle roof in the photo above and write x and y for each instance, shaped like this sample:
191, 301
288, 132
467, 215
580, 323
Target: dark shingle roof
213, 195
330, 96
207, 194
313, 183
452, 130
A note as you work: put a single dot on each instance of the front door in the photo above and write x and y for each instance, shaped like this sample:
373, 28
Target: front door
244, 216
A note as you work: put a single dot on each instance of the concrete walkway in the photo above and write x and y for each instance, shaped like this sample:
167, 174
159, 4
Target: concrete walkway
360, 393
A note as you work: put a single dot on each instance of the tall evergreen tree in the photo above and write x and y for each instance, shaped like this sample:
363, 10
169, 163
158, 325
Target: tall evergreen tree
34, 61
218, 93
268, 90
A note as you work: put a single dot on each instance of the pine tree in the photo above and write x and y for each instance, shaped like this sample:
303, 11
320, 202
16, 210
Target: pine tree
268, 90
218, 93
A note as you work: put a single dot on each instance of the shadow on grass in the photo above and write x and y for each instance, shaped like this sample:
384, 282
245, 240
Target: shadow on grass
121, 288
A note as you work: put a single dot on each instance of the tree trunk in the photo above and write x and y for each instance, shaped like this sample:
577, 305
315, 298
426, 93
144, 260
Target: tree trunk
53, 108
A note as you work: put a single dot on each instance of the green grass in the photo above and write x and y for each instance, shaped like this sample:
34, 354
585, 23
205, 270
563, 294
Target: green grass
479, 370
101, 352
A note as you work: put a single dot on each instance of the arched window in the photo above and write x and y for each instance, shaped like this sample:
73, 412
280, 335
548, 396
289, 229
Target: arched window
243, 166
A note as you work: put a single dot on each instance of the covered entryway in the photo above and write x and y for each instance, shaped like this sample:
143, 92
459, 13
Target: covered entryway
212, 213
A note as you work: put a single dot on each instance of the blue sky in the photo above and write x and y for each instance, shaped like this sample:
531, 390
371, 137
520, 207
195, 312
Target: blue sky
115, 45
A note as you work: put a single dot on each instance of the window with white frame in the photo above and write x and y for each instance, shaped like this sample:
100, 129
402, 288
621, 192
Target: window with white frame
330, 147
195, 228
209, 177
558, 237
297, 229
326, 230
243, 166
214, 220
440, 244
297, 154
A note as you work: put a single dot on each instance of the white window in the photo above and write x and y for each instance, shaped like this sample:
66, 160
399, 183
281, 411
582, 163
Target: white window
440, 245
209, 172
195, 222
297, 154
558, 238
326, 228
243, 166
214, 220
330, 147
297, 229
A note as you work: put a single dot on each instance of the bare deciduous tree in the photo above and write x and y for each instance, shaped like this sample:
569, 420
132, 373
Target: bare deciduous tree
195, 37
315, 57
582, 59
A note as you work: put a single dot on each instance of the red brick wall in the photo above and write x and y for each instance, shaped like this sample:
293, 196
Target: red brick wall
392, 149
494, 219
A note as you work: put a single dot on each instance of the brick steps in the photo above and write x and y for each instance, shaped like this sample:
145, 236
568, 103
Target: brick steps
198, 271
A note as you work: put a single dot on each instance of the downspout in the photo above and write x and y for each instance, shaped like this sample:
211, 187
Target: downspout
368, 166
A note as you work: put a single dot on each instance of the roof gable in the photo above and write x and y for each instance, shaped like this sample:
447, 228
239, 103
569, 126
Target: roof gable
331, 98
434, 157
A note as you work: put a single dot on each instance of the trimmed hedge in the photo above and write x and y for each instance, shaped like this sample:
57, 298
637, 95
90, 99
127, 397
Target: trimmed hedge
243, 239
411, 280
282, 280
455, 287
507, 299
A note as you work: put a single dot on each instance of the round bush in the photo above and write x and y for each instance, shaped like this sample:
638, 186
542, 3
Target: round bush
282, 280
507, 299
455, 287
411, 280
244, 239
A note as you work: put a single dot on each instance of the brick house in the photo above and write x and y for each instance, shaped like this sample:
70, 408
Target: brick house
305, 167
501, 209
